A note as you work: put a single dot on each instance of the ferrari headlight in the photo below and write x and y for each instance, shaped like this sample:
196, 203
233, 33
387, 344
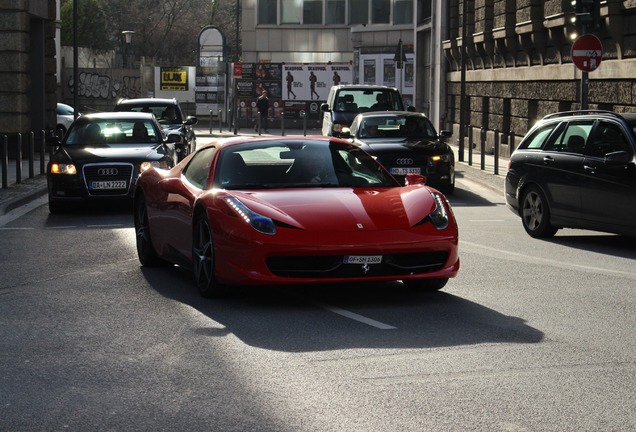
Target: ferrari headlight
439, 216
260, 223
145, 166
60, 168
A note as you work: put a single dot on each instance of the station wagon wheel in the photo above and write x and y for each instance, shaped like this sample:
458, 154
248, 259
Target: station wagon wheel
203, 262
425, 285
535, 214
145, 250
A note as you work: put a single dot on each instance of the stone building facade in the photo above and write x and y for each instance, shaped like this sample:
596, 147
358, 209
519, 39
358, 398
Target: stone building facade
518, 65
28, 83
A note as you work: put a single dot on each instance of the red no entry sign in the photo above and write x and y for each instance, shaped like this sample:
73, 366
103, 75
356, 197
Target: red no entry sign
587, 52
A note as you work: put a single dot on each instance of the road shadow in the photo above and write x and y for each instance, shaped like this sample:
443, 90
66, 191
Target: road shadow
298, 319
606, 244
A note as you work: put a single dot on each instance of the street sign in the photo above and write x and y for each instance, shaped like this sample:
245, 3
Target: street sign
587, 52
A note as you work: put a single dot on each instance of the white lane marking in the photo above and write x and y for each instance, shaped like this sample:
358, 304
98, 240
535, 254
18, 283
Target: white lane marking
106, 226
15, 229
62, 227
356, 317
22, 210
551, 262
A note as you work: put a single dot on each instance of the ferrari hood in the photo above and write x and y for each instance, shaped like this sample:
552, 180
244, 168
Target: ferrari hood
344, 209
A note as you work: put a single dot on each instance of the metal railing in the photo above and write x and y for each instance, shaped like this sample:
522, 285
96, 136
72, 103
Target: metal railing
483, 152
13, 156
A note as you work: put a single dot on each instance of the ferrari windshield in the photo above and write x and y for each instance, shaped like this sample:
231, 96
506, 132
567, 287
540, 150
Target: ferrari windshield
109, 131
299, 163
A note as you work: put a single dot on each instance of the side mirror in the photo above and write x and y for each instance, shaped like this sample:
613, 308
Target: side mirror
617, 158
345, 133
414, 179
410, 108
172, 186
444, 135
191, 120
52, 140
174, 138
325, 107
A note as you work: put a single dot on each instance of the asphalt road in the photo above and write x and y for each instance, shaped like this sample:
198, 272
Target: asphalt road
531, 336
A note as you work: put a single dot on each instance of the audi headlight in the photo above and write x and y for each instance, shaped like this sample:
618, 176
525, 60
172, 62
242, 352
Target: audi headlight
439, 216
440, 158
60, 168
260, 223
145, 166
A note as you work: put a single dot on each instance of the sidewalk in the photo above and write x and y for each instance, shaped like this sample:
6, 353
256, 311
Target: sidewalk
29, 189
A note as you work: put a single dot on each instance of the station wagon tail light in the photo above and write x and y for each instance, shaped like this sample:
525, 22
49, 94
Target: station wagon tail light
260, 223
58, 168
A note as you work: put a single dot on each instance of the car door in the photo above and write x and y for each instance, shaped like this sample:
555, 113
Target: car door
608, 188
559, 167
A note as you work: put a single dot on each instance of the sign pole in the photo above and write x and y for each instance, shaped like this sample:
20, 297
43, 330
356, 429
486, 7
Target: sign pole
584, 90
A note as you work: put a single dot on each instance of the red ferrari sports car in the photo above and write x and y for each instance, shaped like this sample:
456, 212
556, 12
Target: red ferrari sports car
293, 210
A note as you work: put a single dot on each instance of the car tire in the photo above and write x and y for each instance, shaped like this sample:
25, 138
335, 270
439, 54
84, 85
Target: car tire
146, 253
425, 285
535, 213
203, 260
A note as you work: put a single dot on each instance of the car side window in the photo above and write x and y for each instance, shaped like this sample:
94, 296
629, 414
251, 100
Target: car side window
198, 169
537, 140
608, 137
572, 137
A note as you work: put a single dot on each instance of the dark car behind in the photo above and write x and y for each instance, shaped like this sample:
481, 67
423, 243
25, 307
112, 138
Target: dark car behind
170, 116
575, 170
406, 143
102, 155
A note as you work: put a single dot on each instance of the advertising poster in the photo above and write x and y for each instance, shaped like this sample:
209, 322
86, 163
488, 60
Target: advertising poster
175, 79
369, 71
313, 81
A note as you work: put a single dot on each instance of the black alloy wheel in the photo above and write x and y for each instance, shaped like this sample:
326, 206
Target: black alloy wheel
145, 250
535, 214
203, 262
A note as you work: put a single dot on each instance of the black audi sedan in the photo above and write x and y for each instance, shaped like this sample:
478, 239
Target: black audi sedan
575, 169
102, 155
406, 142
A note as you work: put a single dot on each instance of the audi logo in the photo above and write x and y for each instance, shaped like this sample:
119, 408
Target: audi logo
107, 171
404, 161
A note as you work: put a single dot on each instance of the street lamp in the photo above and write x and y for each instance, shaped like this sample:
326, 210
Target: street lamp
128, 34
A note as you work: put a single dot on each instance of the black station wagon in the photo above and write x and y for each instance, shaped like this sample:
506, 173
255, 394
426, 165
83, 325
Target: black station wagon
576, 170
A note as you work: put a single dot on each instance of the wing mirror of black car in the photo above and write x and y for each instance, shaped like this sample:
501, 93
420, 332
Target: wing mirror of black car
618, 158
324, 107
52, 140
414, 179
345, 133
191, 120
444, 135
174, 138
410, 108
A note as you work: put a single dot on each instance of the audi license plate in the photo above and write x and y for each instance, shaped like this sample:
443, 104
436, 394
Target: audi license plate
405, 171
113, 184
362, 259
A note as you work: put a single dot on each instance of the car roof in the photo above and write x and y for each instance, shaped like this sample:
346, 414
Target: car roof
364, 87
391, 114
589, 114
119, 115
238, 140
147, 101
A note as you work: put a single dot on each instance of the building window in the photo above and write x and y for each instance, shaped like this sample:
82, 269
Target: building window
312, 12
267, 11
291, 11
381, 11
403, 12
335, 12
423, 11
358, 12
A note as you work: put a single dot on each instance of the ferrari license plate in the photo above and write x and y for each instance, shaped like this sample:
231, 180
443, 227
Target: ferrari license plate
405, 171
115, 184
362, 259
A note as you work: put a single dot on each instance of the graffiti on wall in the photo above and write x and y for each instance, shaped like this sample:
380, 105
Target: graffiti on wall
99, 86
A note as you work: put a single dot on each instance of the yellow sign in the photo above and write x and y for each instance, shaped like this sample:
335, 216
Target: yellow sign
174, 79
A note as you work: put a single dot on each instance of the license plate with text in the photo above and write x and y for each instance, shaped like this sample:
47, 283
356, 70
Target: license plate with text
114, 184
362, 259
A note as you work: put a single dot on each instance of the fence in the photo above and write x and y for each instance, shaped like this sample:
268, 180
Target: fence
12, 152
496, 149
